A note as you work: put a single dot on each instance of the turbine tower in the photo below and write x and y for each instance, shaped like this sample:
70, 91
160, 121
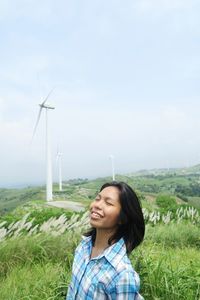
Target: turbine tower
46, 106
113, 167
59, 160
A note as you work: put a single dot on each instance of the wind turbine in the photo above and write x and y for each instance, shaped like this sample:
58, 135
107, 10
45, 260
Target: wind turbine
46, 106
113, 167
59, 160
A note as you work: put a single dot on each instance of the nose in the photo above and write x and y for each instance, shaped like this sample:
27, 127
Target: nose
98, 204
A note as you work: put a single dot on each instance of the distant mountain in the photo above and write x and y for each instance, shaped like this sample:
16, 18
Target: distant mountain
164, 171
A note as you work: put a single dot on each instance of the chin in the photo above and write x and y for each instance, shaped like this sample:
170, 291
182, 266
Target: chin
92, 223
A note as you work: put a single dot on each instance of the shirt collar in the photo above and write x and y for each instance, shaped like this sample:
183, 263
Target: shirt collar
87, 247
113, 253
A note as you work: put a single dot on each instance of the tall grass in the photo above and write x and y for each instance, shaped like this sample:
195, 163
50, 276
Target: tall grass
39, 266
41, 248
40, 281
174, 235
36, 267
60, 223
168, 273
36, 260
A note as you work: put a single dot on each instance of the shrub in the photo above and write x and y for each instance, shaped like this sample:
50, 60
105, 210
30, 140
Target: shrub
47, 213
38, 215
166, 202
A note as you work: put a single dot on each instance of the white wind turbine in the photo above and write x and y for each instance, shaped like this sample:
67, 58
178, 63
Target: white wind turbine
113, 167
59, 160
45, 105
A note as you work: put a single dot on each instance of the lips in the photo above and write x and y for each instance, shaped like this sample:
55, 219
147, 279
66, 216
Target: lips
95, 215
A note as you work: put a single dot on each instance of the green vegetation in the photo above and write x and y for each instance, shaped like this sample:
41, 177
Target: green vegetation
168, 273
184, 184
37, 214
166, 202
37, 242
36, 267
39, 267
11, 198
174, 235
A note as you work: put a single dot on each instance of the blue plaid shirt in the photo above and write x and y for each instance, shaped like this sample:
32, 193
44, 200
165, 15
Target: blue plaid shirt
109, 276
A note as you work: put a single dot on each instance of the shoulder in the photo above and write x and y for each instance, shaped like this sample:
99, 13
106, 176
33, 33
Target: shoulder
128, 278
85, 241
83, 250
118, 258
82, 253
126, 275
123, 276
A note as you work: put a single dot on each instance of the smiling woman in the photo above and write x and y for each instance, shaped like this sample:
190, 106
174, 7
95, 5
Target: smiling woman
101, 268
105, 210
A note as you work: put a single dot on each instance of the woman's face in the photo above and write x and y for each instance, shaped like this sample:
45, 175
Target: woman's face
105, 209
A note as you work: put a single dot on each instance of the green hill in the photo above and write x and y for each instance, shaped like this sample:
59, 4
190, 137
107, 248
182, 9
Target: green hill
11, 198
182, 183
37, 242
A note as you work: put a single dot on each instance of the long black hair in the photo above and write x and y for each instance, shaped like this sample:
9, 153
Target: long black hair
131, 221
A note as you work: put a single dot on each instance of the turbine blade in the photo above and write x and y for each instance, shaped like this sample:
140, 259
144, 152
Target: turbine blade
47, 97
38, 119
39, 84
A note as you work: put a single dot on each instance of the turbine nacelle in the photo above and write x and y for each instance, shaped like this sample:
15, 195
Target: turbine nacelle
46, 105
59, 154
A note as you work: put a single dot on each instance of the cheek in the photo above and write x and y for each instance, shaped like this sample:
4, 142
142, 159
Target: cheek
115, 216
119, 216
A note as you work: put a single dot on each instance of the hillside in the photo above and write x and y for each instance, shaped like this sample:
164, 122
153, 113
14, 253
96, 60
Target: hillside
11, 198
182, 183
37, 241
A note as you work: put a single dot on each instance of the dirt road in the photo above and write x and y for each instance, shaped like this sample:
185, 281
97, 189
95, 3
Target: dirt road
75, 206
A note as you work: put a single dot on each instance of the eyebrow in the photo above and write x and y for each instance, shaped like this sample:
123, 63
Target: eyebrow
106, 198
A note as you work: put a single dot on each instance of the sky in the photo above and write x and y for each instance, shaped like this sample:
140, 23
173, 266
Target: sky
125, 77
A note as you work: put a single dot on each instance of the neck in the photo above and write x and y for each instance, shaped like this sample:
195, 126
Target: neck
101, 241
102, 238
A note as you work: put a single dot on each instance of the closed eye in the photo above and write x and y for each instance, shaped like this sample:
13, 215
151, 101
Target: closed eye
109, 203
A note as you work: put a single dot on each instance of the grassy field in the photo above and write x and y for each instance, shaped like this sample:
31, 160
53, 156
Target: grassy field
39, 266
12, 198
37, 242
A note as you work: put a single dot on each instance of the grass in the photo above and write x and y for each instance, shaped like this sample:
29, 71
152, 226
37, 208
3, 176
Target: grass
170, 273
39, 267
38, 213
11, 198
85, 190
195, 201
174, 235
41, 281
42, 248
